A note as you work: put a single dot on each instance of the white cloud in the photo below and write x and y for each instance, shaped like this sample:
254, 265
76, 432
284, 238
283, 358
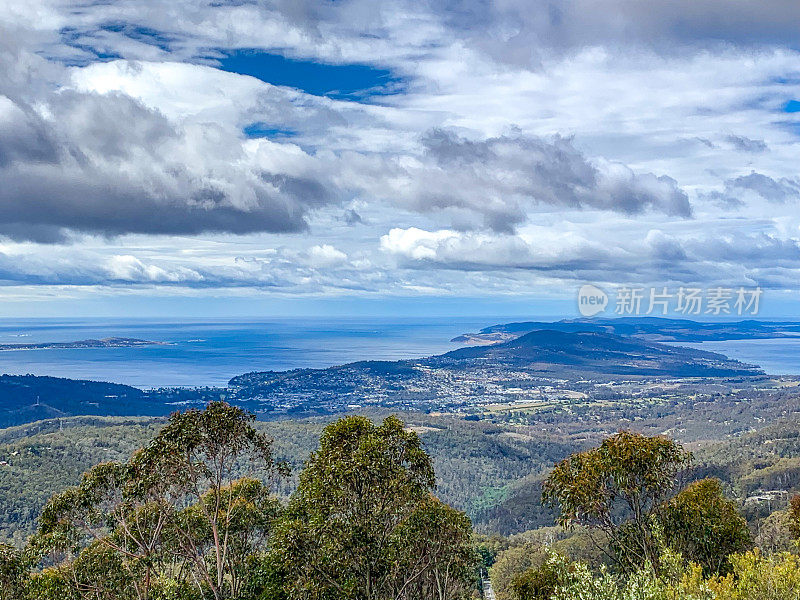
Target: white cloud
131, 269
325, 255
653, 256
530, 144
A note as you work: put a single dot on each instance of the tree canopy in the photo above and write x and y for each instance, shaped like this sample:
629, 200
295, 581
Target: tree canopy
192, 516
704, 526
364, 524
617, 488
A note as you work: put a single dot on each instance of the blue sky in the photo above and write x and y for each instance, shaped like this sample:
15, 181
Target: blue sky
393, 157
340, 81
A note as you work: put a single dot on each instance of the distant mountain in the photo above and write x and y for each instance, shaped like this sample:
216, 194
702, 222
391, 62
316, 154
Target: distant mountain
592, 352
647, 328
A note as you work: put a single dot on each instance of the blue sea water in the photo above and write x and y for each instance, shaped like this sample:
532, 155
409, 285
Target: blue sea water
780, 356
210, 352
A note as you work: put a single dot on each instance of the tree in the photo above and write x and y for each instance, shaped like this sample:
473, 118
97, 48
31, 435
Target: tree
247, 515
364, 525
436, 560
617, 488
704, 526
15, 568
205, 453
539, 583
794, 516
773, 533
120, 508
512, 563
178, 506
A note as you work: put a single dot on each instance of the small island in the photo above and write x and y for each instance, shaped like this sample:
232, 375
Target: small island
109, 342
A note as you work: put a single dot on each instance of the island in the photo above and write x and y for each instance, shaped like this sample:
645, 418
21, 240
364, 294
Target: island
109, 342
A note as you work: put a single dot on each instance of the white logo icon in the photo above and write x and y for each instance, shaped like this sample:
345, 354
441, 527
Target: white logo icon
591, 300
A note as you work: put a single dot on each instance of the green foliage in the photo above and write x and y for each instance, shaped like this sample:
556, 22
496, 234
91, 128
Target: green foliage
704, 526
773, 535
617, 487
475, 462
14, 568
794, 516
192, 516
363, 523
753, 576
759, 577
512, 563
540, 583
43, 458
176, 506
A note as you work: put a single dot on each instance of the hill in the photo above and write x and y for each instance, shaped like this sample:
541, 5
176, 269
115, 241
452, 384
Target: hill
491, 466
586, 353
537, 366
472, 459
760, 471
27, 398
645, 328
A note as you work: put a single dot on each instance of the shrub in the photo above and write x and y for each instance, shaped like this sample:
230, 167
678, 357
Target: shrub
540, 583
704, 526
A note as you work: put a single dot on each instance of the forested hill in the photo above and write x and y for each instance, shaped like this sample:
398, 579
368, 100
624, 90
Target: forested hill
27, 398
492, 470
592, 352
473, 459
645, 328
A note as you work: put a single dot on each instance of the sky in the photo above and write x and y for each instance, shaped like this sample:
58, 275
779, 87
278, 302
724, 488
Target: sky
168, 157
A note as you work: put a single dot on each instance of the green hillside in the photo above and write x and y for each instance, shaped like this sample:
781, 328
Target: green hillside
473, 459
492, 470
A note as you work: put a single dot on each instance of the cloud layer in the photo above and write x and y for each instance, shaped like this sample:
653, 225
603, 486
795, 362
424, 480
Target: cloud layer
519, 145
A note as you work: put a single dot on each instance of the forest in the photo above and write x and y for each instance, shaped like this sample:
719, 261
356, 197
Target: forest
205, 505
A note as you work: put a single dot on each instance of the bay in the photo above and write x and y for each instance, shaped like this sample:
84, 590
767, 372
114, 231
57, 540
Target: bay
209, 352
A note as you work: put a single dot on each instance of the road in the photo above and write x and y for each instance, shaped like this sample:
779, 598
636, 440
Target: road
488, 592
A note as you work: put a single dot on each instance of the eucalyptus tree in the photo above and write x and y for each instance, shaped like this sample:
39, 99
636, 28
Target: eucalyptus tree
188, 507
363, 523
618, 488
705, 526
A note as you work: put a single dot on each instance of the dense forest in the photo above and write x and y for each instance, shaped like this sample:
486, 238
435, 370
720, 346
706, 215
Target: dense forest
213, 504
474, 460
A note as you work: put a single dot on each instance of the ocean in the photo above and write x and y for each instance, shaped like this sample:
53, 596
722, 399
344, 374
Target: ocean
780, 356
209, 352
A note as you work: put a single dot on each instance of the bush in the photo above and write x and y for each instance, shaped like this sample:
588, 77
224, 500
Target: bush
753, 576
512, 563
704, 526
759, 577
540, 583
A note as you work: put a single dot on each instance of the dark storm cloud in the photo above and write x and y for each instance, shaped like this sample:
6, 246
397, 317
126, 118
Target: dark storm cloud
107, 164
502, 177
